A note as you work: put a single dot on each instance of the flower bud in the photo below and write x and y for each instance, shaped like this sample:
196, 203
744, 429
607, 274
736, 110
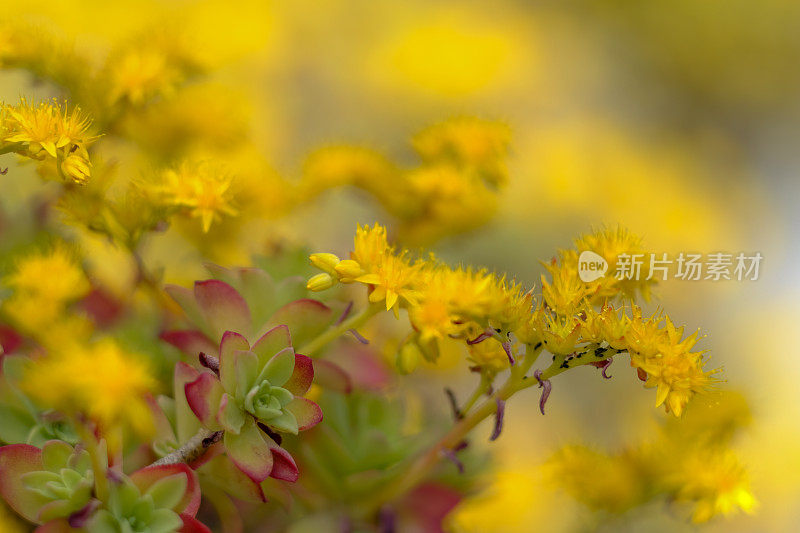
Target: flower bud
408, 358
320, 282
349, 270
325, 262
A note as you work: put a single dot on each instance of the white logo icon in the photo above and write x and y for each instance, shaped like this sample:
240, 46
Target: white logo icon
591, 266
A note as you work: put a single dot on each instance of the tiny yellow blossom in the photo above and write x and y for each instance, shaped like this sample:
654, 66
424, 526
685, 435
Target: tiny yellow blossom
468, 142
43, 129
55, 274
198, 188
99, 380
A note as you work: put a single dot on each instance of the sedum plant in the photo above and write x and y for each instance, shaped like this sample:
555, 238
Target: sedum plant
128, 404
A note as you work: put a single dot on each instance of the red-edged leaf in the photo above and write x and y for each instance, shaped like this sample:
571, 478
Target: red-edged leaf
190, 502
331, 376
283, 465
302, 376
204, 395
270, 343
231, 342
307, 413
192, 525
222, 472
223, 307
305, 318
15, 461
249, 451
191, 342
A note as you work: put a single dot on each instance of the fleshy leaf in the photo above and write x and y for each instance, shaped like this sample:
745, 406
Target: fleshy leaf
283, 465
192, 525
224, 474
246, 365
168, 491
272, 342
258, 289
186, 300
307, 413
147, 477
204, 395
189, 341
331, 376
285, 422
280, 368
55, 455
230, 343
16, 460
302, 375
223, 307
186, 423
230, 416
305, 318
249, 451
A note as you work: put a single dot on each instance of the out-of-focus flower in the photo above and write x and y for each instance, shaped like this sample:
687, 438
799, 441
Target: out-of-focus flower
599, 481
44, 284
200, 189
688, 463
470, 144
99, 380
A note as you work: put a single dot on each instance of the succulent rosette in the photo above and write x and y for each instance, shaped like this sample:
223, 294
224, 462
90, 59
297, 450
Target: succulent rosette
259, 391
54, 487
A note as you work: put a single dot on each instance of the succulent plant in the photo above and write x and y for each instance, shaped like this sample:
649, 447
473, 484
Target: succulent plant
156, 499
45, 484
259, 387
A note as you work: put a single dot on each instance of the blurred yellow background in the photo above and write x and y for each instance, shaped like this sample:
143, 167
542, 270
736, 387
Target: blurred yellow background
678, 120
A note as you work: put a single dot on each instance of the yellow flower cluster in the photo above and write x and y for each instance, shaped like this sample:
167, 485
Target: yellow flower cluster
46, 132
98, 380
475, 305
472, 144
44, 284
689, 462
453, 190
199, 188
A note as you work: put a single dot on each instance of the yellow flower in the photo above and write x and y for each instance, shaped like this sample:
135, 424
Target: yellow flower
40, 130
599, 481
432, 316
468, 142
560, 334
335, 166
99, 380
54, 274
566, 292
667, 360
488, 355
198, 188
392, 281
716, 482
370, 246
610, 244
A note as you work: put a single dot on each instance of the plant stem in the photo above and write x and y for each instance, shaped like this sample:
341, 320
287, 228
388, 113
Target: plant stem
337, 331
193, 449
479, 391
99, 464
